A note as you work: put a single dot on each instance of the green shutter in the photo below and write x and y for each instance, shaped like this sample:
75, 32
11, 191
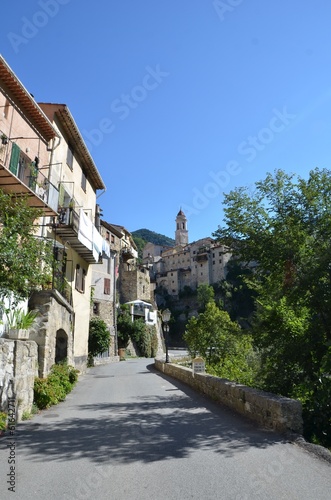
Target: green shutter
14, 159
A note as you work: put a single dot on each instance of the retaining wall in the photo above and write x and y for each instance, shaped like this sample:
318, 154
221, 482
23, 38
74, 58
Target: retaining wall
18, 369
268, 410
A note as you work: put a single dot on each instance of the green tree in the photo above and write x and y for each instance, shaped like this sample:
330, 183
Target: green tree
205, 294
25, 260
144, 336
221, 342
124, 326
99, 337
237, 297
283, 228
140, 243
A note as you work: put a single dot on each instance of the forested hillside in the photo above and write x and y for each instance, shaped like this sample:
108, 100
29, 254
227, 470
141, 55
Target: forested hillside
143, 236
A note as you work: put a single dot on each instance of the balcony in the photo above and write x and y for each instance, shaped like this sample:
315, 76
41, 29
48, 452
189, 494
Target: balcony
202, 254
128, 253
80, 233
19, 175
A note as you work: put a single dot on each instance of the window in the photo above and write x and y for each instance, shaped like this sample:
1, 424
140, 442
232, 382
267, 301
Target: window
106, 286
83, 182
213, 262
80, 279
112, 238
70, 157
107, 235
96, 308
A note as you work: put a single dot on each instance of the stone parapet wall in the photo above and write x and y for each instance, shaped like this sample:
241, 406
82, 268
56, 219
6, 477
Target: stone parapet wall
18, 369
268, 410
105, 360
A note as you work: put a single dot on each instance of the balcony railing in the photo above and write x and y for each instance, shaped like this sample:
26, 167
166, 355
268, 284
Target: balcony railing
19, 174
80, 233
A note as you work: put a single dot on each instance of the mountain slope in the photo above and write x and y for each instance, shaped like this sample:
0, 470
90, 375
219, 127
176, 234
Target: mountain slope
152, 237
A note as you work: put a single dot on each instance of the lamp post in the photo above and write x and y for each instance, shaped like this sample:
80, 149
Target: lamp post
166, 314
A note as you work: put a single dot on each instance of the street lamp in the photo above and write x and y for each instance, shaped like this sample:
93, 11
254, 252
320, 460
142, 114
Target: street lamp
166, 314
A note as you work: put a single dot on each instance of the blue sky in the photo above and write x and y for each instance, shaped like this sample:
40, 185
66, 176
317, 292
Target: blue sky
181, 101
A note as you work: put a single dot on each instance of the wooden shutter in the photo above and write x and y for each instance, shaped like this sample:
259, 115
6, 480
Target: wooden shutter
14, 159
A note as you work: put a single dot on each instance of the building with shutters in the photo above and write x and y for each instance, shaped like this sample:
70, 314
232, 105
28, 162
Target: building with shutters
43, 156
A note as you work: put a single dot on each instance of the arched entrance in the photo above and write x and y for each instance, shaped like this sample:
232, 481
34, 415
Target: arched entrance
61, 346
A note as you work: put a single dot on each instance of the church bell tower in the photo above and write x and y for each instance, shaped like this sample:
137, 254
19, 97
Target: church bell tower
181, 234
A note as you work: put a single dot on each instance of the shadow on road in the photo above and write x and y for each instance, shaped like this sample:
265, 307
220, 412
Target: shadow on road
147, 429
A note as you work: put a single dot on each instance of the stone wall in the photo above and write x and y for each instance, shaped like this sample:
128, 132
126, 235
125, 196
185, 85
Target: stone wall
18, 369
134, 284
53, 323
268, 410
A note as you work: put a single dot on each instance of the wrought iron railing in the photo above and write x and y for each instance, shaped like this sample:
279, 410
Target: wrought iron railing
28, 172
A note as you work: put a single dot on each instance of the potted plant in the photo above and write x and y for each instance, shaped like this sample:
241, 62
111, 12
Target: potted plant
19, 322
33, 168
4, 139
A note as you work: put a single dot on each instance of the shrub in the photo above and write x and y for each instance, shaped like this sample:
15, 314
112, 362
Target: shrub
99, 337
3, 421
147, 340
53, 389
144, 336
47, 393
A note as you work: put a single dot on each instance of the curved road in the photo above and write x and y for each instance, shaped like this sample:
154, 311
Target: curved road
128, 432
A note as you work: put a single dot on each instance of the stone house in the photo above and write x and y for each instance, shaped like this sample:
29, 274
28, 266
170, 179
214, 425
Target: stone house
186, 264
134, 279
105, 294
119, 280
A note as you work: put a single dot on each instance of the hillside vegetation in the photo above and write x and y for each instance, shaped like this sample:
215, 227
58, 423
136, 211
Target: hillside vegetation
143, 236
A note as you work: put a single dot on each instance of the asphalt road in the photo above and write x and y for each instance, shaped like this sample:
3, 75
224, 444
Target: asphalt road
128, 432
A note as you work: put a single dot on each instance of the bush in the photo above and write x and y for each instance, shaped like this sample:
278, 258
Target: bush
47, 392
146, 340
99, 337
53, 389
3, 421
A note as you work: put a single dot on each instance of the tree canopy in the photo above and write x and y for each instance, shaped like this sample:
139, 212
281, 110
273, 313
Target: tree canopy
220, 341
282, 230
99, 337
25, 259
